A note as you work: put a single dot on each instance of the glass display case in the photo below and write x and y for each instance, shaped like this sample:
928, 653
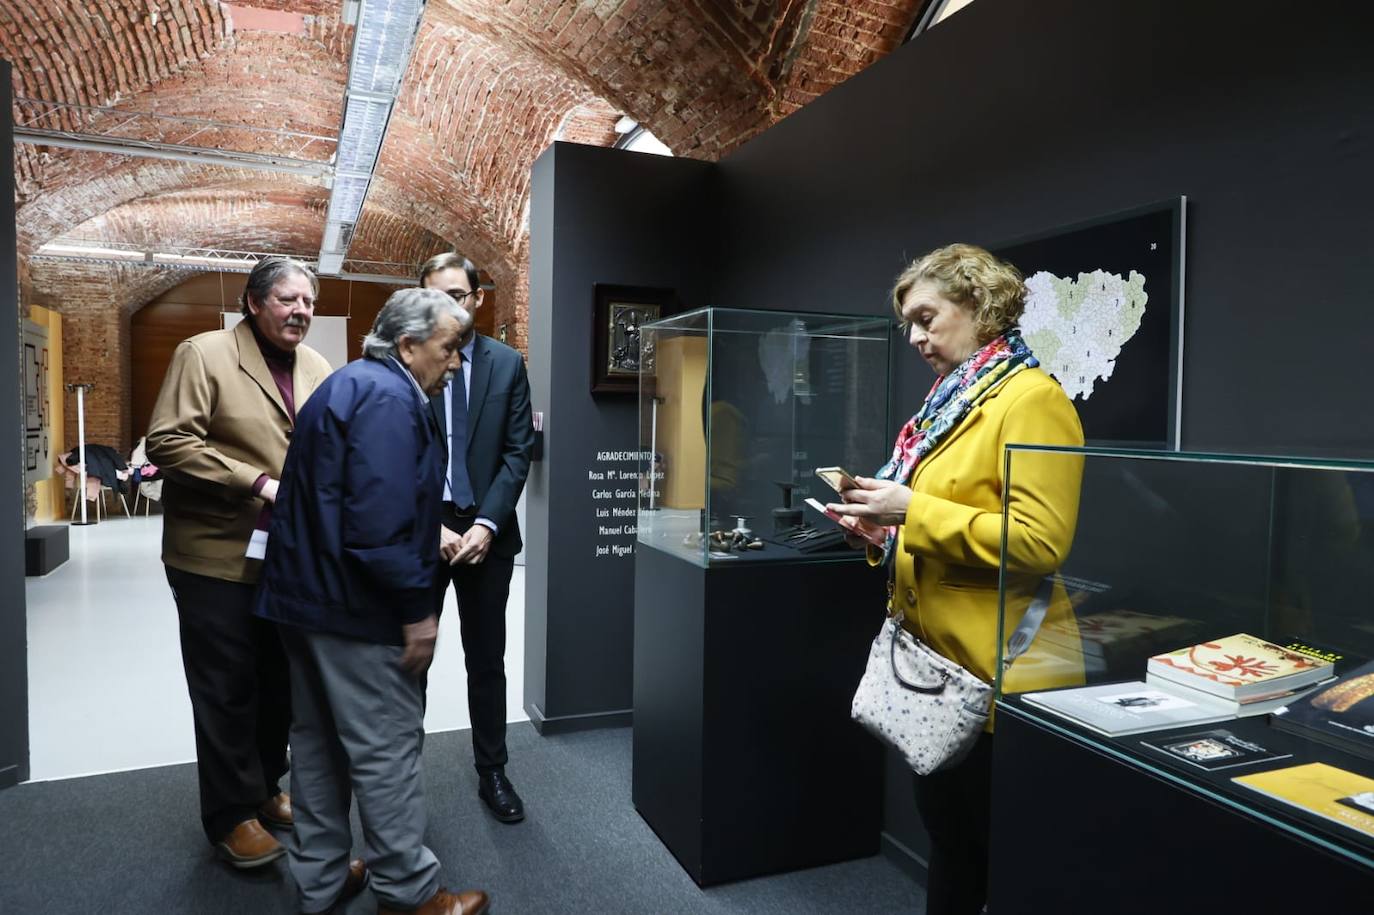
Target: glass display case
738, 409
1212, 626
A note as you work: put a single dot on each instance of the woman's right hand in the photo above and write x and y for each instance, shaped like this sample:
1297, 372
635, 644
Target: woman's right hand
874, 503
858, 533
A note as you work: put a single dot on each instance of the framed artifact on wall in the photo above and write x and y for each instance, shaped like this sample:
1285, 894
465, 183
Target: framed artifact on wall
619, 313
1104, 314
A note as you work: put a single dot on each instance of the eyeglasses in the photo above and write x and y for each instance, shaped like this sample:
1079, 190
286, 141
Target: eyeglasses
459, 295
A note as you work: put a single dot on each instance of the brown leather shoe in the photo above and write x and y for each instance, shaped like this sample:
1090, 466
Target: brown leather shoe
473, 902
276, 811
356, 881
249, 845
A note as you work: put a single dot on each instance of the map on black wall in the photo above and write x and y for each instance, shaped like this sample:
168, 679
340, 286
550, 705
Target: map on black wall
1104, 315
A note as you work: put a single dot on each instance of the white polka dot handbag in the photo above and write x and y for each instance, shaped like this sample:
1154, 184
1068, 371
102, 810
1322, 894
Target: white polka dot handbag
924, 705
918, 701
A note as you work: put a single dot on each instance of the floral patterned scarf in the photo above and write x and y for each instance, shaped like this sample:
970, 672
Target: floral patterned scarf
949, 401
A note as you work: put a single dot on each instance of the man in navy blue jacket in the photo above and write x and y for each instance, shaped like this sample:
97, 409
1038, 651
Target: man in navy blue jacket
349, 574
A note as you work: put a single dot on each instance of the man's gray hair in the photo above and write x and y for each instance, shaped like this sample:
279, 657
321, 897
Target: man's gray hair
412, 313
265, 275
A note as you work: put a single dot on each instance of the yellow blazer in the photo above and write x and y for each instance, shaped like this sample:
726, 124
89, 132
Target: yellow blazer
948, 550
219, 423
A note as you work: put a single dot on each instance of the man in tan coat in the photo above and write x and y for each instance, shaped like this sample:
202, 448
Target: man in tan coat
219, 433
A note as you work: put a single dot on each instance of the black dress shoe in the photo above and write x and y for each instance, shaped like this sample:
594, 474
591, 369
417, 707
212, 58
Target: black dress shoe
500, 797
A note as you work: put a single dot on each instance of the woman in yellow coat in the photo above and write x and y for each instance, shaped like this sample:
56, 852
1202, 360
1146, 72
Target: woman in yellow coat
940, 499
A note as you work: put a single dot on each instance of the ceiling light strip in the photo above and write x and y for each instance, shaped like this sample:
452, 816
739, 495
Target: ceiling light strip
383, 39
404, 276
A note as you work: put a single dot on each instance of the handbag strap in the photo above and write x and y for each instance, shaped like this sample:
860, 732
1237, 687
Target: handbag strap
897, 630
1021, 638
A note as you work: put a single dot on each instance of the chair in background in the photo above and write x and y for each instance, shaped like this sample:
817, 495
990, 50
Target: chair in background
149, 486
97, 490
71, 479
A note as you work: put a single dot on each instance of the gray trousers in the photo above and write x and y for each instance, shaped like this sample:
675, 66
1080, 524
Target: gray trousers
357, 728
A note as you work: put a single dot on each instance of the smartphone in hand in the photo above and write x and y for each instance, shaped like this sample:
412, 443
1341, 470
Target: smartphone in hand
837, 478
870, 532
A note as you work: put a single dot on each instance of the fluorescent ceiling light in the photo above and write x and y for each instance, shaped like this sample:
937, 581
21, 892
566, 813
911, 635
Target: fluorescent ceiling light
360, 140
381, 45
156, 258
91, 251
625, 124
346, 200
330, 264
332, 233
192, 260
382, 42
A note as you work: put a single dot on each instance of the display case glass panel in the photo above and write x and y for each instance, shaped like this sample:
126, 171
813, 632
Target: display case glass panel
738, 409
1174, 557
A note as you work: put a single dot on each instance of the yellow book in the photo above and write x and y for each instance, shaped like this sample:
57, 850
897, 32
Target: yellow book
1333, 794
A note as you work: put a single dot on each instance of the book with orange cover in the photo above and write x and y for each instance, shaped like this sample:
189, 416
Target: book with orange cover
1239, 667
1333, 794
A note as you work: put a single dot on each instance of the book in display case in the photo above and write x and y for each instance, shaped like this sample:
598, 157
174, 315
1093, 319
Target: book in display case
737, 410
1218, 660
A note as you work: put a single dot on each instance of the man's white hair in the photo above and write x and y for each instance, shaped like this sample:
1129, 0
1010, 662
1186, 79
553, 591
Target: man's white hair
412, 313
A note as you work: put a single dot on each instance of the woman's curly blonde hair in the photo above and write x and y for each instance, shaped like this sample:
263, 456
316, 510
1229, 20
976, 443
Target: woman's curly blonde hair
971, 277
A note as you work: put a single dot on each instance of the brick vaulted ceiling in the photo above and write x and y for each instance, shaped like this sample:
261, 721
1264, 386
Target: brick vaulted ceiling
490, 85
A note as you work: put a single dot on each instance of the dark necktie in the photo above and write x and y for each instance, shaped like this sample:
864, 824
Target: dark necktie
459, 485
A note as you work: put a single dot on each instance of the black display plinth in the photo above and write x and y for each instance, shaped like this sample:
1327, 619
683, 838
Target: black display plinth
1077, 830
45, 548
745, 759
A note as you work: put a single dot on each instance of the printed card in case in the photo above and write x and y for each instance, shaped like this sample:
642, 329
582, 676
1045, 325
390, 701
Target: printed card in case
1213, 750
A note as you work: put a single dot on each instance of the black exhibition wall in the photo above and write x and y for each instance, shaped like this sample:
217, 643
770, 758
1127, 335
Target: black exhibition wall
1010, 118
596, 216
1007, 119
14, 642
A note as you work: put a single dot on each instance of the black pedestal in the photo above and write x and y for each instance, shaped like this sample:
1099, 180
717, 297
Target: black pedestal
745, 759
1076, 830
45, 548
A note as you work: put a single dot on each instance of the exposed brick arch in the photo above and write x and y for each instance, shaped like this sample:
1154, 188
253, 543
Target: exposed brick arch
483, 115
306, 7
242, 218
663, 64
838, 40
115, 181
384, 235
97, 53
703, 75
313, 69
591, 124
491, 84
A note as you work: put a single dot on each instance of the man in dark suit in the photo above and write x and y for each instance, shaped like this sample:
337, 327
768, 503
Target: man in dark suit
484, 413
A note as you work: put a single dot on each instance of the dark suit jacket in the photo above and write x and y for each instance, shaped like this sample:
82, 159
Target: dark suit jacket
354, 541
500, 437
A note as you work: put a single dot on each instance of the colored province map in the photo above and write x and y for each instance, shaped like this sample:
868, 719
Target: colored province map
1076, 328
